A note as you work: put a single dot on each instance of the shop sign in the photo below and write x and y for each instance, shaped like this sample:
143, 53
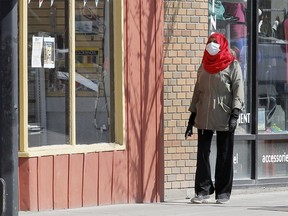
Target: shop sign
244, 118
86, 56
273, 158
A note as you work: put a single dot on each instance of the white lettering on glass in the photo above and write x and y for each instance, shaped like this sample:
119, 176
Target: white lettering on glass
213, 18
275, 158
236, 159
244, 118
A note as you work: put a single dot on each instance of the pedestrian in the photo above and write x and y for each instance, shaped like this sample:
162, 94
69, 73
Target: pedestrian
216, 103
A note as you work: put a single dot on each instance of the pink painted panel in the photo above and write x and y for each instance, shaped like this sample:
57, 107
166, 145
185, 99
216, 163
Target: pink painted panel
33, 183
149, 99
75, 180
159, 100
120, 178
90, 180
23, 175
45, 183
28, 200
32, 188
133, 80
60, 188
105, 177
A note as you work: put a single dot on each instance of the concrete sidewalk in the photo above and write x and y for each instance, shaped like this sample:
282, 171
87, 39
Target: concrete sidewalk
272, 203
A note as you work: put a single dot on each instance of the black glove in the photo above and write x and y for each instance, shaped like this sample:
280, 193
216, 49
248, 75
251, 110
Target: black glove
233, 119
189, 129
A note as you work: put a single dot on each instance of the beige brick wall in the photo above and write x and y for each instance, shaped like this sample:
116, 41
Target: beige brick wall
186, 31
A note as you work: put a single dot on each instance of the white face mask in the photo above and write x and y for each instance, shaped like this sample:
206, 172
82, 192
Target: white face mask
213, 48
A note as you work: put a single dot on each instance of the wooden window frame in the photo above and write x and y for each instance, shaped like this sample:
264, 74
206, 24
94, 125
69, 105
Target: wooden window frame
119, 99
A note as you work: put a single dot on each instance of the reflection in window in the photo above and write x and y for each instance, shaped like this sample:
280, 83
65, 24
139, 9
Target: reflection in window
49, 120
48, 92
92, 72
272, 67
242, 159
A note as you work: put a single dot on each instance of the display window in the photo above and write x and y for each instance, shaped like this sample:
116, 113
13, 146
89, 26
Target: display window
70, 88
93, 75
242, 160
272, 69
258, 36
272, 79
273, 159
48, 73
230, 18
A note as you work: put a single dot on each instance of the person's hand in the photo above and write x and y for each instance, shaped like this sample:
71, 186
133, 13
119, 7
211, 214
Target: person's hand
233, 120
189, 131
232, 123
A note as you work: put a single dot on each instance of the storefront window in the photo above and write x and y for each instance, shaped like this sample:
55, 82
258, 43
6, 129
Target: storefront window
273, 158
93, 92
262, 54
48, 91
242, 160
272, 67
230, 18
49, 67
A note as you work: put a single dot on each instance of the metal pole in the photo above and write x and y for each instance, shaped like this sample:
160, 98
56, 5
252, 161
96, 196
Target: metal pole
9, 137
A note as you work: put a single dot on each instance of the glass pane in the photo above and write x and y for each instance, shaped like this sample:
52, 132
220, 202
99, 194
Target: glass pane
241, 159
272, 67
273, 158
48, 78
93, 71
230, 18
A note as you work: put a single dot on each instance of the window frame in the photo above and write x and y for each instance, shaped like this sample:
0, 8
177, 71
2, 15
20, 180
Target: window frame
119, 99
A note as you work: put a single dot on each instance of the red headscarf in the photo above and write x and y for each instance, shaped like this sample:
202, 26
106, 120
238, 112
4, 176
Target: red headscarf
216, 63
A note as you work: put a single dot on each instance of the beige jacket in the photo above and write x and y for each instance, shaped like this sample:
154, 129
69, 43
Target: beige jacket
216, 95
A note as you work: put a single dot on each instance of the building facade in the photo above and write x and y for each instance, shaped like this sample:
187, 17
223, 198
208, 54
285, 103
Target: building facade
104, 89
91, 98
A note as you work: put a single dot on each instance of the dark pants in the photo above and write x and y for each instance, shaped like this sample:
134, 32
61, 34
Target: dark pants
224, 164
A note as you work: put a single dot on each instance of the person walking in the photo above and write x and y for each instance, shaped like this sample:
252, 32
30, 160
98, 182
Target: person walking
216, 104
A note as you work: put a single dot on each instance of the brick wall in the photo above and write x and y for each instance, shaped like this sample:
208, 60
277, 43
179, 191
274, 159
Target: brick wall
186, 31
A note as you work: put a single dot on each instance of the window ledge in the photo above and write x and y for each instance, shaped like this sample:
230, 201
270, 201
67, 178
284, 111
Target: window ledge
69, 149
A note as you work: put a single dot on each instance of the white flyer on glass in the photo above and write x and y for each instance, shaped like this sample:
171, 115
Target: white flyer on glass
49, 52
37, 44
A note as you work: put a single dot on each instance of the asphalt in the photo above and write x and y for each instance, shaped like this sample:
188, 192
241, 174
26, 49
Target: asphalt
271, 203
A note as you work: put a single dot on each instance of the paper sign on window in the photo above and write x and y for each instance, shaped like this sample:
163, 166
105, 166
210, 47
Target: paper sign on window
49, 52
37, 44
